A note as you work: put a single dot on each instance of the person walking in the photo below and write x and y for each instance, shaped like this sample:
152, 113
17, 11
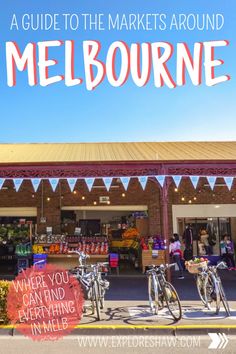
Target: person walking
227, 251
176, 253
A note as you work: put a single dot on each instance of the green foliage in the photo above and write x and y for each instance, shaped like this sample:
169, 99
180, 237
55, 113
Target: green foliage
4, 287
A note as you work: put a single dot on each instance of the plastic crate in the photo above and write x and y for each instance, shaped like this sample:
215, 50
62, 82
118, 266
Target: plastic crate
42, 258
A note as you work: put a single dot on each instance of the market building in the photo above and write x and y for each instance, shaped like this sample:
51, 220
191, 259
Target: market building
113, 195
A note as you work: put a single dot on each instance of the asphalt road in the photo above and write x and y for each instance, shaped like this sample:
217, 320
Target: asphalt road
135, 287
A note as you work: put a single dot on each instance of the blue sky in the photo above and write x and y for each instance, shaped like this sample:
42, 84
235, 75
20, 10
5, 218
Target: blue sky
72, 114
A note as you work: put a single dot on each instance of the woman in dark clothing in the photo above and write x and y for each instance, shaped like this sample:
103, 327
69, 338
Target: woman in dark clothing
227, 251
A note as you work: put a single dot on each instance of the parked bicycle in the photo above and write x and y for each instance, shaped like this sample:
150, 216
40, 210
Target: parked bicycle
91, 280
210, 288
162, 292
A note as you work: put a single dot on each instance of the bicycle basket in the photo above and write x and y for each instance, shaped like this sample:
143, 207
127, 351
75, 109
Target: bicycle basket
195, 268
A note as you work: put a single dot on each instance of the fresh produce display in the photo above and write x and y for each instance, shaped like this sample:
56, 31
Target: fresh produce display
14, 233
23, 249
153, 243
197, 260
91, 245
38, 249
194, 265
130, 233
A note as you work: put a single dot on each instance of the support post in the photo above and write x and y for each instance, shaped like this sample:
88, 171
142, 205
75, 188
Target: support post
165, 220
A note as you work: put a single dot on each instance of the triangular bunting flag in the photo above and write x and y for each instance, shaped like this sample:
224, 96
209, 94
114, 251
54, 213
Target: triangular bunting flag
229, 182
17, 183
89, 182
143, 181
177, 180
125, 182
2, 180
71, 182
194, 180
211, 180
107, 181
35, 183
161, 179
54, 183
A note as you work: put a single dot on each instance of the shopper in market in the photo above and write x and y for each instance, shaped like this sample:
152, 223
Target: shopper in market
227, 251
176, 253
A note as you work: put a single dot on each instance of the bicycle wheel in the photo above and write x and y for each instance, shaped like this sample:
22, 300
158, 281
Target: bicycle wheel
212, 293
172, 301
200, 289
153, 294
96, 299
224, 299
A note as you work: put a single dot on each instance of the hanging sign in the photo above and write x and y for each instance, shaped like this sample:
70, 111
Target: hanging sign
17, 183
35, 183
161, 180
89, 182
177, 180
54, 182
107, 181
143, 181
2, 180
229, 182
211, 180
71, 182
194, 180
125, 182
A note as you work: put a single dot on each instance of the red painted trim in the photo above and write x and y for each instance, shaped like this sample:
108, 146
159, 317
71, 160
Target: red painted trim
116, 169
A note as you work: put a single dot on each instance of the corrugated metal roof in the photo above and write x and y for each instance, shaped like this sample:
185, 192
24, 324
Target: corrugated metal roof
105, 152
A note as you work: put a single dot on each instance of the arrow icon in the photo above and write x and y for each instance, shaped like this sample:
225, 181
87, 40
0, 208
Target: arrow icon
219, 341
